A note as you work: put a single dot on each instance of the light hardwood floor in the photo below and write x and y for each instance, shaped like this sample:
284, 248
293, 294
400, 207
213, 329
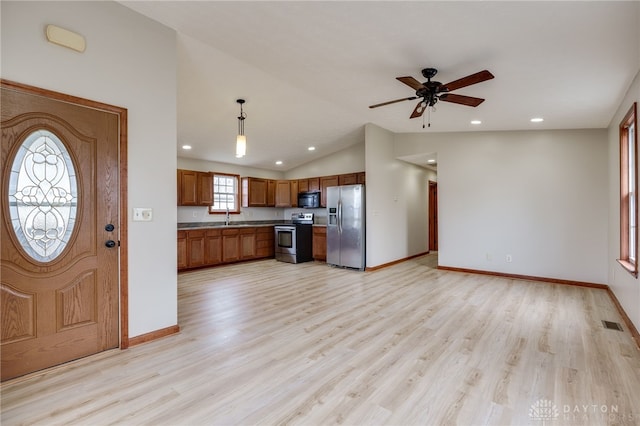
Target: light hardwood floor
274, 343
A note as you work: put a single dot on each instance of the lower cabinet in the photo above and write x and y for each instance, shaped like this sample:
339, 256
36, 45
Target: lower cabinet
210, 247
247, 243
320, 243
182, 250
265, 242
230, 245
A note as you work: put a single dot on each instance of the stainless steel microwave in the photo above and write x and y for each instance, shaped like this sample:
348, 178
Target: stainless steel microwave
309, 200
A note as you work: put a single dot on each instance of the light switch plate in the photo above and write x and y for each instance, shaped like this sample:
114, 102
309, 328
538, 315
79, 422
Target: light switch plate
141, 214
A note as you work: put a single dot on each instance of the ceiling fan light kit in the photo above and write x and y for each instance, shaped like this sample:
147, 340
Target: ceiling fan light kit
433, 91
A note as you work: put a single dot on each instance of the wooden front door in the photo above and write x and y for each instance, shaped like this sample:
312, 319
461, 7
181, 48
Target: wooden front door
59, 228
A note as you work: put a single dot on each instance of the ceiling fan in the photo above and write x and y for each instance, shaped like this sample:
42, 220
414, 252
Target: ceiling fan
433, 91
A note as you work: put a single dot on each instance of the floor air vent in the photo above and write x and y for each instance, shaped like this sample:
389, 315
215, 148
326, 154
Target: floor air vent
612, 325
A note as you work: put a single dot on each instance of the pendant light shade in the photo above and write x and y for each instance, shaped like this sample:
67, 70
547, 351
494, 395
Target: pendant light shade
241, 146
241, 140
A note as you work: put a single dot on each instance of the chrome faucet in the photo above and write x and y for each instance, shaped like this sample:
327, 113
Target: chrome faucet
226, 222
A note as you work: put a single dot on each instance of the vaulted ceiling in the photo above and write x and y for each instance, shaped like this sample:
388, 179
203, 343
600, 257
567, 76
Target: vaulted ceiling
309, 70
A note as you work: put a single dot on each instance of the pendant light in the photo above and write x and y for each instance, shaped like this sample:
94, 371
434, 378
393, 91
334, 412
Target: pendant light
241, 140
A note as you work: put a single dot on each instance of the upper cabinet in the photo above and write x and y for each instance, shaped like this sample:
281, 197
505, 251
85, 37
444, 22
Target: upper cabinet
325, 182
195, 188
258, 192
283, 193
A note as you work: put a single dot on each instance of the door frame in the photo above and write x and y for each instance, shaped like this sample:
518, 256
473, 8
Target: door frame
122, 193
433, 215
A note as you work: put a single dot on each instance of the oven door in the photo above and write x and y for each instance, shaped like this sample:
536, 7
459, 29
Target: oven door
285, 243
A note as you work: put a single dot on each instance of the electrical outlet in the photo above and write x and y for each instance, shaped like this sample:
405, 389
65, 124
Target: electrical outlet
489, 257
509, 258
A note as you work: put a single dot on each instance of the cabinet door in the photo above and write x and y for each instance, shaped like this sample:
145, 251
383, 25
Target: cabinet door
213, 247
348, 179
325, 182
247, 243
303, 185
205, 189
361, 177
182, 250
265, 241
254, 192
283, 193
195, 248
314, 184
320, 243
230, 245
293, 193
187, 188
271, 193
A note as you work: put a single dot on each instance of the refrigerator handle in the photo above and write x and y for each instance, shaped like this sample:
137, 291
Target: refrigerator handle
340, 216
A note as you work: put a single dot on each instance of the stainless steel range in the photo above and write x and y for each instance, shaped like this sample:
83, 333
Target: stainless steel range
294, 239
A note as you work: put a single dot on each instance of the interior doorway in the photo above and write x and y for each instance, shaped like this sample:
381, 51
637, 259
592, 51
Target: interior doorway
433, 216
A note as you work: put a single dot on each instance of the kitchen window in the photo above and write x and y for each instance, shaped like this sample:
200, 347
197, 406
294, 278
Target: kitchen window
628, 191
225, 193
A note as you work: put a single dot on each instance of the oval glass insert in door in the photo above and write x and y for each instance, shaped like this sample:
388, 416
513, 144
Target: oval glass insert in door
43, 194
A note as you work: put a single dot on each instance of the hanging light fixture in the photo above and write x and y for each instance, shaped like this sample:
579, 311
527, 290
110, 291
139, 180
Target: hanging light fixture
241, 140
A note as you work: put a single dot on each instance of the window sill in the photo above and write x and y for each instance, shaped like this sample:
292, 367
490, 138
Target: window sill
629, 267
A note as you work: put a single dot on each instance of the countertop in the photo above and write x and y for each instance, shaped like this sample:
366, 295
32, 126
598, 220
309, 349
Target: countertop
182, 226
239, 224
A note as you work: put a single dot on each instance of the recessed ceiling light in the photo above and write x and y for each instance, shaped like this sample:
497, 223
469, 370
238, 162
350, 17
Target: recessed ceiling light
312, 148
278, 162
431, 161
186, 146
476, 122
537, 120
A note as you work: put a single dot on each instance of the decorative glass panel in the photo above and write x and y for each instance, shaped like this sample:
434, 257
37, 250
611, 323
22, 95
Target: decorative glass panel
43, 193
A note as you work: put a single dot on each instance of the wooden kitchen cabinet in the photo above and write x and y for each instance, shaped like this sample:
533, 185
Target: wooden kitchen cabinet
361, 178
314, 184
219, 245
303, 185
325, 182
195, 252
213, 247
348, 179
283, 193
258, 192
195, 188
265, 242
230, 245
271, 193
293, 193
182, 250
319, 251
247, 243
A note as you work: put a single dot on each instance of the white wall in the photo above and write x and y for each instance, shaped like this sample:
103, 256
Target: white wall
129, 62
396, 201
624, 285
348, 160
539, 196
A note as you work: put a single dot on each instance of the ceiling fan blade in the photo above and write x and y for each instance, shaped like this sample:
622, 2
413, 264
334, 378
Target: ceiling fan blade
466, 81
393, 102
461, 99
418, 110
411, 82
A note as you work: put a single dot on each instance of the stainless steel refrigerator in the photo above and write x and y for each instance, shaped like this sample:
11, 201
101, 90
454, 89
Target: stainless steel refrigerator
345, 226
